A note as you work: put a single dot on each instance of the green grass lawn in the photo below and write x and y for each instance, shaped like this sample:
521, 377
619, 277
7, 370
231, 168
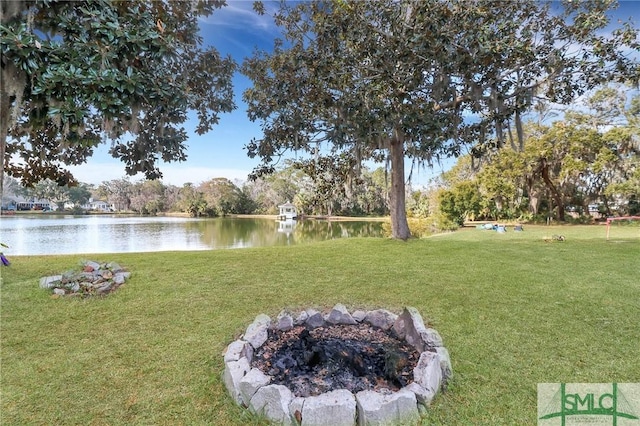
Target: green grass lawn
513, 310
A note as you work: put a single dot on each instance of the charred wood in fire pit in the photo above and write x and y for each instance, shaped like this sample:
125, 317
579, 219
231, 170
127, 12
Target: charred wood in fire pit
395, 360
358, 357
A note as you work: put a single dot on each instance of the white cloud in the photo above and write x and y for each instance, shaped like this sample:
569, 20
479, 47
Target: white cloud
240, 14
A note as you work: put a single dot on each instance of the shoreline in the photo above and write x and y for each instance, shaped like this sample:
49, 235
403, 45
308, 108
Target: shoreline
316, 217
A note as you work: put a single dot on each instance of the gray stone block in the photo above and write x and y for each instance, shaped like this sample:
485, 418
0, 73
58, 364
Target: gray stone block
394, 408
104, 288
284, 321
381, 318
340, 315
119, 278
251, 382
89, 276
428, 373
94, 265
335, 408
258, 331
409, 326
359, 315
237, 350
272, 402
234, 371
115, 267
405, 319
314, 319
431, 338
423, 396
50, 282
302, 318
445, 364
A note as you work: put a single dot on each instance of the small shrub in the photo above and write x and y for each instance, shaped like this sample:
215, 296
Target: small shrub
421, 227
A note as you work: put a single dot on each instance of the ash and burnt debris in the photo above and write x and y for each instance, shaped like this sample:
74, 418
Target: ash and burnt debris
353, 357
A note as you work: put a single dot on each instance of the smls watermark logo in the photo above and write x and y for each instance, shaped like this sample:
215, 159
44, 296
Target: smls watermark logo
577, 404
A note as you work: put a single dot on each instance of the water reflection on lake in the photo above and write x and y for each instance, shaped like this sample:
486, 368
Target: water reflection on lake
53, 234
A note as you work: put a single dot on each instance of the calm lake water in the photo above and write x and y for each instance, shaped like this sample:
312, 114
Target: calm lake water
37, 234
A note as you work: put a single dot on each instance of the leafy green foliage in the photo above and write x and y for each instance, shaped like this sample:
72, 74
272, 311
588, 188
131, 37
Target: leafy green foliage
117, 192
224, 197
192, 201
78, 73
591, 156
331, 178
79, 195
147, 197
461, 203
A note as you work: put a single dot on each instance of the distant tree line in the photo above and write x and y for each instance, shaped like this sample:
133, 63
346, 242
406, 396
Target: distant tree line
313, 189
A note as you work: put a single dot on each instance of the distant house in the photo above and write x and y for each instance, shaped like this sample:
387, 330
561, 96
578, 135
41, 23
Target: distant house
92, 205
98, 205
9, 203
287, 211
16, 202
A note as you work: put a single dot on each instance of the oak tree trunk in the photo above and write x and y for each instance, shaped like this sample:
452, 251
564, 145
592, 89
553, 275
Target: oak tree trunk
5, 114
399, 225
557, 197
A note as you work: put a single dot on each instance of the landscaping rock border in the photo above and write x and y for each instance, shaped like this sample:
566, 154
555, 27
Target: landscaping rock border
94, 279
251, 388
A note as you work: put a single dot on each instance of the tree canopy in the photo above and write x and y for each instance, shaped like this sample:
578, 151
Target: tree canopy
75, 74
418, 79
589, 158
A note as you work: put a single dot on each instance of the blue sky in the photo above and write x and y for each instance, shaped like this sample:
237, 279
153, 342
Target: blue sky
235, 30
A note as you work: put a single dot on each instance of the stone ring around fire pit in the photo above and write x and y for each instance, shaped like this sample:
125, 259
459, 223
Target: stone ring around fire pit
264, 368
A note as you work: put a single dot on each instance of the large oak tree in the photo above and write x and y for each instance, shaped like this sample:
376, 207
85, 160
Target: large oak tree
78, 73
422, 79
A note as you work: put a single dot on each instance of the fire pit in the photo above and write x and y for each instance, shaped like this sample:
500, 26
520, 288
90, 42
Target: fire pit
339, 368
